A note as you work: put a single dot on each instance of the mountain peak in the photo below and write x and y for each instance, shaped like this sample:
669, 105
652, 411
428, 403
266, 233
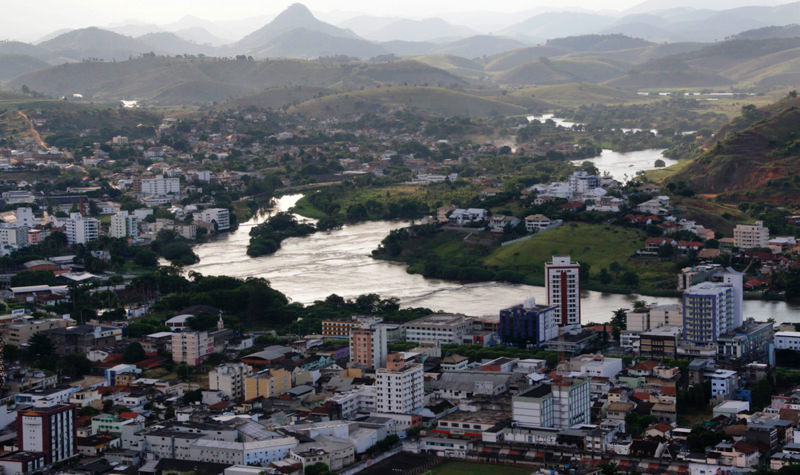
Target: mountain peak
295, 12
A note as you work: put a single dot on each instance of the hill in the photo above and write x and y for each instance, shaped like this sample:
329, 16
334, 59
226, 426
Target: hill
478, 46
424, 99
755, 157
277, 97
559, 71
297, 16
768, 32
13, 65
146, 78
309, 44
457, 65
573, 95
611, 42
171, 43
95, 43
558, 24
429, 29
518, 57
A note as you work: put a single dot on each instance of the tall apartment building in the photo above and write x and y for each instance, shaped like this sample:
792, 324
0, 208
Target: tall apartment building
229, 378
442, 328
399, 386
748, 236
650, 318
159, 186
221, 217
267, 383
18, 333
581, 182
340, 329
711, 309
124, 225
562, 280
368, 346
191, 348
562, 404
529, 323
48, 429
81, 229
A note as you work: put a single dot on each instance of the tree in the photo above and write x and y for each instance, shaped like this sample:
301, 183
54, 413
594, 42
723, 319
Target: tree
40, 348
318, 468
134, 353
10, 353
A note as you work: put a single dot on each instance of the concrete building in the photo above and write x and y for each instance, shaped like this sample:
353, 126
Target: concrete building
19, 332
399, 386
711, 309
787, 341
562, 279
124, 225
723, 382
220, 218
529, 323
661, 342
267, 383
230, 379
368, 346
160, 186
749, 236
80, 229
562, 404
438, 327
48, 429
191, 348
748, 342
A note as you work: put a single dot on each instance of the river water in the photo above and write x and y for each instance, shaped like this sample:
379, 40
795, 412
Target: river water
339, 262
624, 166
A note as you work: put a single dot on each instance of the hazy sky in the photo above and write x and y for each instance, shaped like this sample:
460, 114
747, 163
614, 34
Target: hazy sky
33, 18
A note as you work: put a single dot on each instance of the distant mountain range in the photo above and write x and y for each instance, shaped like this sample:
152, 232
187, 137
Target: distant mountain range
189, 65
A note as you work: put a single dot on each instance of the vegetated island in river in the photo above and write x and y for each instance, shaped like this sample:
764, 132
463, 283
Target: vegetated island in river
266, 238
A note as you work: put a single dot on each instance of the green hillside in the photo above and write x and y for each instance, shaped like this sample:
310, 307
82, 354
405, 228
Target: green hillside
519, 57
13, 65
756, 156
457, 65
558, 71
426, 99
574, 95
278, 97
177, 79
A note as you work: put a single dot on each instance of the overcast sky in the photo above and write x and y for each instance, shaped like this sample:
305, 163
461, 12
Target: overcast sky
29, 19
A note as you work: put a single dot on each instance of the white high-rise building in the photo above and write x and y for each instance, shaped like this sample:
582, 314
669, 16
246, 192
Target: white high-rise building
399, 386
711, 309
562, 404
81, 229
229, 378
124, 224
562, 279
48, 429
160, 186
749, 236
571, 402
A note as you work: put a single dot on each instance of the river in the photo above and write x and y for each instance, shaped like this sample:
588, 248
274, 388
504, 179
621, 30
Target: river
624, 166
339, 262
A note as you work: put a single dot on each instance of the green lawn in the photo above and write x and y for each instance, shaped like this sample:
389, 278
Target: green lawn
466, 468
595, 244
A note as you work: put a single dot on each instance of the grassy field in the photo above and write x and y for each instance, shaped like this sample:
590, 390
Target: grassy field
593, 244
660, 174
466, 468
721, 217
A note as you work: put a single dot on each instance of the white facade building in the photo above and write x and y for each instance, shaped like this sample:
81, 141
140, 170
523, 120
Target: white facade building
438, 327
124, 225
81, 229
399, 387
749, 236
220, 216
160, 186
562, 279
787, 341
229, 378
